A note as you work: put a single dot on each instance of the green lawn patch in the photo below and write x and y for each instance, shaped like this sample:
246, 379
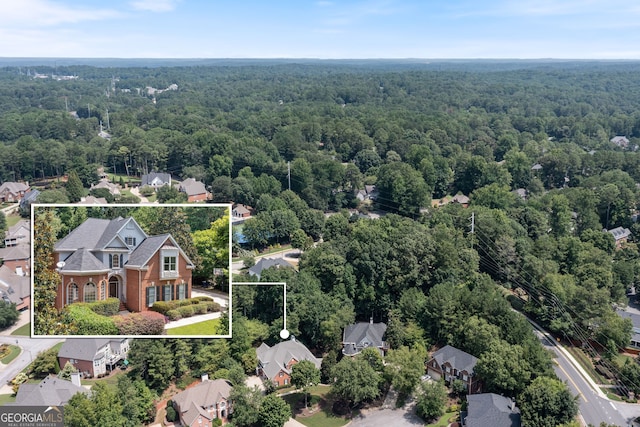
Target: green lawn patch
321, 414
15, 351
621, 359
443, 421
207, 327
23, 331
13, 220
111, 380
7, 398
586, 363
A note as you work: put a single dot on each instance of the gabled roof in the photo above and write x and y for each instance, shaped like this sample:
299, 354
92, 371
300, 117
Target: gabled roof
489, 409
149, 178
192, 187
29, 196
12, 253
82, 348
241, 209
13, 286
458, 359
274, 359
265, 263
52, 391
145, 250
19, 229
362, 335
13, 187
192, 400
83, 261
619, 233
94, 234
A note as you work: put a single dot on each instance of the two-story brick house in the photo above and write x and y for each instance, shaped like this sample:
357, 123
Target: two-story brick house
452, 364
275, 363
115, 258
93, 357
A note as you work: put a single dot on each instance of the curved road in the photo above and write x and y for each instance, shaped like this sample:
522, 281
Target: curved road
30, 349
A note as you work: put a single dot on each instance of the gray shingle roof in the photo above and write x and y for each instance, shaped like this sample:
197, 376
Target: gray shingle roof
52, 391
22, 251
192, 187
361, 335
86, 235
148, 178
143, 253
489, 409
82, 348
13, 286
458, 359
192, 400
274, 359
265, 263
13, 187
83, 260
620, 233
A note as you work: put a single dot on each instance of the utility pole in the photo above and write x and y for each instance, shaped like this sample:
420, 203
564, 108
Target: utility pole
289, 174
473, 226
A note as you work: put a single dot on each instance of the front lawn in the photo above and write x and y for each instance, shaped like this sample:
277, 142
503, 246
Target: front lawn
14, 351
23, 331
319, 413
207, 327
7, 398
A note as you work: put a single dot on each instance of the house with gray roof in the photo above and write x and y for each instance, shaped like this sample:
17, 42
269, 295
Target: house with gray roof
361, 335
195, 190
201, 404
620, 141
620, 235
489, 409
19, 233
12, 192
93, 357
155, 179
51, 391
265, 263
275, 363
635, 328
452, 364
15, 287
115, 258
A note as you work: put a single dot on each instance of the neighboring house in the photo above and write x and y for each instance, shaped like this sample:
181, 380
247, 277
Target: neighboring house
12, 192
115, 258
15, 287
620, 235
489, 409
635, 330
240, 211
18, 234
198, 406
17, 258
29, 197
368, 193
363, 335
275, 363
265, 263
461, 199
155, 179
91, 200
51, 391
620, 141
195, 190
536, 167
521, 192
451, 364
111, 187
93, 357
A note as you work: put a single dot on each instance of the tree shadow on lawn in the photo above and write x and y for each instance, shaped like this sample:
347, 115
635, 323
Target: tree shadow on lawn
325, 409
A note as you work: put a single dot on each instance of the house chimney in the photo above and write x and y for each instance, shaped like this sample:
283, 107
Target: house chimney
75, 379
19, 271
371, 320
204, 377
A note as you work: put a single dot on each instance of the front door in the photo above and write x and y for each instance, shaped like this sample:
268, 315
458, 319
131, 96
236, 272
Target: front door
114, 287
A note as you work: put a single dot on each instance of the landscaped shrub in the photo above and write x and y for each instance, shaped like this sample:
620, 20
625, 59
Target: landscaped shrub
201, 298
173, 315
145, 323
108, 307
200, 308
186, 311
212, 306
162, 306
146, 191
171, 414
90, 323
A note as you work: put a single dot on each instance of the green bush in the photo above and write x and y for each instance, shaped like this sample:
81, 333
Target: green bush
202, 298
145, 323
186, 311
162, 306
146, 191
212, 306
173, 315
171, 414
200, 308
108, 307
89, 322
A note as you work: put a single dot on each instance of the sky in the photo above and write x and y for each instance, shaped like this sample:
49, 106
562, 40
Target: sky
324, 29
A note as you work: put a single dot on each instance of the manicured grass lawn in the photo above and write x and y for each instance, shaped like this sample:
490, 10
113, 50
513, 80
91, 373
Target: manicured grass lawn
13, 220
585, 362
208, 327
23, 331
443, 421
15, 351
111, 380
6, 398
621, 359
323, 416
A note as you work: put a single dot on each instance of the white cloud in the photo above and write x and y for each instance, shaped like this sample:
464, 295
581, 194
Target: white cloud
39, 13
155, 5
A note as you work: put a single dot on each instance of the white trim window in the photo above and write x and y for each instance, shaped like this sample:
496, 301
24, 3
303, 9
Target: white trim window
72, 293
90, 292
169, 264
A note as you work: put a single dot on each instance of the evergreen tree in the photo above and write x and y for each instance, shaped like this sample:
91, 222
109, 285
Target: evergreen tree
74, 187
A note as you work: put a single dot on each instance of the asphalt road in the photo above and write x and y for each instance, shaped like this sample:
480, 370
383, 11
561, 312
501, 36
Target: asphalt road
30, 349
594, 408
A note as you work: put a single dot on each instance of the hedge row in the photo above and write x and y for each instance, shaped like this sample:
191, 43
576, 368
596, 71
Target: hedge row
89, 322
108, 307
145, 323
163, 307
192, 309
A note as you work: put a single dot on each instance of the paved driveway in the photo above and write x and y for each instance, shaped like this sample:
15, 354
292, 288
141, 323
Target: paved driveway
388, 415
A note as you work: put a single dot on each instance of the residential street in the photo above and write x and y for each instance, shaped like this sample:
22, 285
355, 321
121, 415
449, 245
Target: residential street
594, 407
30, 349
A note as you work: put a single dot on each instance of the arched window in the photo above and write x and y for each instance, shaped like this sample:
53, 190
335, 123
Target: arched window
103, 289
72, 293
90, 292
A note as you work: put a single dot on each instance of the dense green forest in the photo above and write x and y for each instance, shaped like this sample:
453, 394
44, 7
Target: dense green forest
296, 141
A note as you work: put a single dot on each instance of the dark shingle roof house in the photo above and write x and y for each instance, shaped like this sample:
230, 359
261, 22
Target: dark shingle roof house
265, 263
155, 179
209, 399
451, 364
275, 362
51, 391
195, 190
491, 410
363, 335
